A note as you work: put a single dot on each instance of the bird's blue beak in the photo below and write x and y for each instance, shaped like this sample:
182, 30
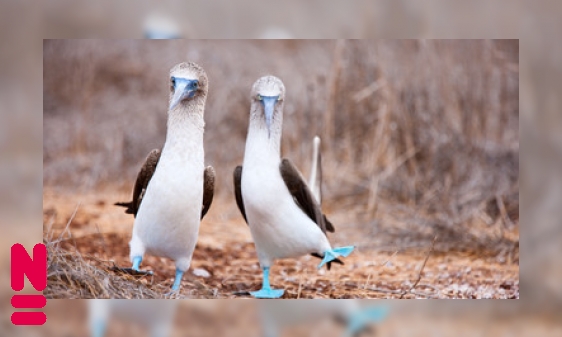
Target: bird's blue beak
183, 88
268, 107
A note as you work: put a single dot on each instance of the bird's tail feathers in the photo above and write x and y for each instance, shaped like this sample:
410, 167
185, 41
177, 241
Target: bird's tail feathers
315, 179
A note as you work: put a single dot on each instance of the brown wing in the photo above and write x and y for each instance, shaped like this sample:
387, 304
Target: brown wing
304, 199
143, 178
303, 196
238, 191
208, 189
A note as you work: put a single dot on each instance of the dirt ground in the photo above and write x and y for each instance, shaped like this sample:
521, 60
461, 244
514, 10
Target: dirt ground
100, 232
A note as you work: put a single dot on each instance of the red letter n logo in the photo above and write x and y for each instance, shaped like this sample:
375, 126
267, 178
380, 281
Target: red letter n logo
36, 271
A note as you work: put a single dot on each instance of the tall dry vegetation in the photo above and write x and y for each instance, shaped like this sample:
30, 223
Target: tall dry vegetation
424, 131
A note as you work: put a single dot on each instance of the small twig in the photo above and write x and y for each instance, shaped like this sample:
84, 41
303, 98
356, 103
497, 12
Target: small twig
397, 292
334, 82
486, 218
368, 90
505, 217
421, 269
67, 225
366, 284
102, 240
390, 258
49, 226
374, 183
300, 287
397, 163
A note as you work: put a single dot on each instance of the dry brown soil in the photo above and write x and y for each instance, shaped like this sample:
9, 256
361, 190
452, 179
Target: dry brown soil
101, 231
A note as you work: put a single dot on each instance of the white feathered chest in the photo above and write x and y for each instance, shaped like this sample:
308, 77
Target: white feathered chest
169, 216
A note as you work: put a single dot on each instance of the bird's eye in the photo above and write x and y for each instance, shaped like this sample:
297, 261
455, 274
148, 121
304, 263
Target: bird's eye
195, 85
259, 97
173, 81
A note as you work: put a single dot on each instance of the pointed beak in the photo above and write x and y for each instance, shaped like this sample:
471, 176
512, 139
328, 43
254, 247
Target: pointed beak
268, 107
183, 89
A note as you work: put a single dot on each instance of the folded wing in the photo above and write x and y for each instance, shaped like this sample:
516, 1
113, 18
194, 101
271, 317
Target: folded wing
147, 171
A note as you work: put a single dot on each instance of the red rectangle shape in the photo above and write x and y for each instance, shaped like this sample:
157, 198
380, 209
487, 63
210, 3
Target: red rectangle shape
29, 318
23, 265
28, 301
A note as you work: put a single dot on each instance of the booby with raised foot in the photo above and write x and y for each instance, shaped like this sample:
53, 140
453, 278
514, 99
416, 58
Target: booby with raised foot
284, 216
174, 190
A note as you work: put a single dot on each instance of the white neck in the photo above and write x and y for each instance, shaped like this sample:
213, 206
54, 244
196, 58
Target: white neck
185, 131
262, 145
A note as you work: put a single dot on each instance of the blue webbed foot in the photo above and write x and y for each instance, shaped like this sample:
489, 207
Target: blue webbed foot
267, 293
177, 283
333, 254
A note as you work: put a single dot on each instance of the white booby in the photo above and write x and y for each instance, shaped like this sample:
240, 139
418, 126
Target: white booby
284, 218
156, 315
173, 190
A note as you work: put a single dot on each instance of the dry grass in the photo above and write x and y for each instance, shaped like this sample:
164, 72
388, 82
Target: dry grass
72, 276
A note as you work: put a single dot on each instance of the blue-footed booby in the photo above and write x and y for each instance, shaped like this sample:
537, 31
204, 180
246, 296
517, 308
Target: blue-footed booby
284, 217
173, 190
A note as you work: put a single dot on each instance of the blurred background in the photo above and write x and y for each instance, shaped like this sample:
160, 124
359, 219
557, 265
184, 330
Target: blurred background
423, 126
70, 318
536, 25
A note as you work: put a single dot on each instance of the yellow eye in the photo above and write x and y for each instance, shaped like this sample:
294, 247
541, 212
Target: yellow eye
259, 97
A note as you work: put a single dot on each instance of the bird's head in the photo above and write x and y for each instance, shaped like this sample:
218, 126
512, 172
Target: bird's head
188, 82
267, 97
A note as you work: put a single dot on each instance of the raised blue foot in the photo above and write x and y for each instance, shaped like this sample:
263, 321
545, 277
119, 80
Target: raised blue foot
360, 319
266, 291
333, 254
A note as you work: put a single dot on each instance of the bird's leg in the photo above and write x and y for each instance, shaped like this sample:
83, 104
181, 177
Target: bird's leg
136, 262
360, 319
334, 253
266, 291
177, 283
